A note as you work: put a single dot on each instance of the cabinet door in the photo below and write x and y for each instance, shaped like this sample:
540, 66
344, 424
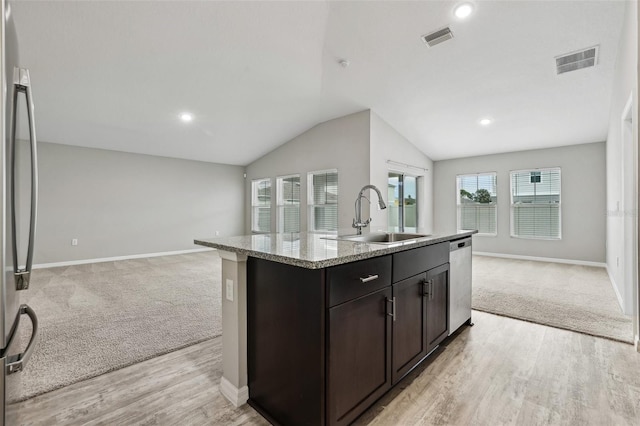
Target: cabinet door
437, 305
409, 325
359, 355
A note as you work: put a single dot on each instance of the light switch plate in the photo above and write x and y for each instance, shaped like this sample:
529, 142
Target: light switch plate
229, 292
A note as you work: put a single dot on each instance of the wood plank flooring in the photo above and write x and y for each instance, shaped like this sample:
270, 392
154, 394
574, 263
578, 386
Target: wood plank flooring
179, 388
501, 371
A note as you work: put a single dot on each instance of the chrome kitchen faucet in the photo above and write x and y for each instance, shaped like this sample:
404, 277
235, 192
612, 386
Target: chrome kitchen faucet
357, 221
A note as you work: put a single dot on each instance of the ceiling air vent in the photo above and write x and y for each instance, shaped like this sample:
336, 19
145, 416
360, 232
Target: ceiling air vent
437, 37
577, 60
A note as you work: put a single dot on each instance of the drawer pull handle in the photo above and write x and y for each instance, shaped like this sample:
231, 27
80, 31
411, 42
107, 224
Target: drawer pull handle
369, 278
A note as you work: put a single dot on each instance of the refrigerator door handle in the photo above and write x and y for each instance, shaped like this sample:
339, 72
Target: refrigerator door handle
16, 363
22, 83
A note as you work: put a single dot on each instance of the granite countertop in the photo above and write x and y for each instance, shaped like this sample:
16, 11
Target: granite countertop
315, 251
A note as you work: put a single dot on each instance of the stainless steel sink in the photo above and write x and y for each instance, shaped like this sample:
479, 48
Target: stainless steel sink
382, 238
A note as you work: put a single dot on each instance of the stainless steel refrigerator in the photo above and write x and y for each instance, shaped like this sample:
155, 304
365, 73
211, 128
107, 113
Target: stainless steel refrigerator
19, 211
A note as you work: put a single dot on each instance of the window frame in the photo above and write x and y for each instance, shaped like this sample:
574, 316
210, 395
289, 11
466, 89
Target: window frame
311, 202
459, 204
280, 204
512, 205
255, 204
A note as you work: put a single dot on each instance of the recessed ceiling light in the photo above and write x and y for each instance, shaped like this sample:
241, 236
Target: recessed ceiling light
463, 10
186, 117
486, 121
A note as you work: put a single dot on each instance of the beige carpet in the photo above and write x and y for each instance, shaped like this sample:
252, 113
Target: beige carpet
100, 317
573, 297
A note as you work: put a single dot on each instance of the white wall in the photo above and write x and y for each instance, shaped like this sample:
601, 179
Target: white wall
624, 86
636, 289
341, 143
119, 204
388, 144
583, 200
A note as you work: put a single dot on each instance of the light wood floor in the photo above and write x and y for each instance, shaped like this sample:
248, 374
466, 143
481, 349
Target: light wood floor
501, 371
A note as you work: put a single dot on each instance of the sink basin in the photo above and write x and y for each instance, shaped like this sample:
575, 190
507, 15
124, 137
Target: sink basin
382, 238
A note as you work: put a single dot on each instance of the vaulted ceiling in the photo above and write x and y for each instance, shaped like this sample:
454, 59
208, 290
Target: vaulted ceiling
117, 74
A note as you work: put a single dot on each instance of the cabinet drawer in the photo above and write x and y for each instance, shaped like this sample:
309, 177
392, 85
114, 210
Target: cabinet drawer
412, 262
356, 279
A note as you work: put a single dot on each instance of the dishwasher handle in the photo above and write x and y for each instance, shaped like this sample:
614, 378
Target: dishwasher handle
460, 244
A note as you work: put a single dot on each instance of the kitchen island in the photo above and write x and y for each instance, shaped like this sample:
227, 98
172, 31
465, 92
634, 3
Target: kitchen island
315, 328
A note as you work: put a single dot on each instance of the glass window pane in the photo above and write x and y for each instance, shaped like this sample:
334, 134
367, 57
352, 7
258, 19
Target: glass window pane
535, 204
410, 214
402, 203
393, 202
323, 201
477, 203
288, 188
261, 205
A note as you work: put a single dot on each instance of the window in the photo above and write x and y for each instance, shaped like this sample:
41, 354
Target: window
323, 201
478, 203
535, 204
288, 190
261, 205
402, 203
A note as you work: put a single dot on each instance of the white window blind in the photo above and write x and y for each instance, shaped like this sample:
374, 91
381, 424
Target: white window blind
535, 204
478, 202
261, 205
323, 201
288, 189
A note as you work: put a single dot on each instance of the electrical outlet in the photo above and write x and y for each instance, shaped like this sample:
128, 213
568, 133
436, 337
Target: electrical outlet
217, 233
229, 292
74, 242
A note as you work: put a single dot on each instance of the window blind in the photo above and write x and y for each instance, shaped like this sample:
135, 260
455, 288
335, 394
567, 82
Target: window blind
261, 205
323, 201
478, 202
289, 203
535, 204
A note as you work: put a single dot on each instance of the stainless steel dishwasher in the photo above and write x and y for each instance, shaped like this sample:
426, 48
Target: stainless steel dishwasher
459, 284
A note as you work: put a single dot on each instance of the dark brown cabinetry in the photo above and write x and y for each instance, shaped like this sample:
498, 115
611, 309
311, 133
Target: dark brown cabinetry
286, 342
358, 337
437, 297
358, 355
323, 345
409, 325
422, 300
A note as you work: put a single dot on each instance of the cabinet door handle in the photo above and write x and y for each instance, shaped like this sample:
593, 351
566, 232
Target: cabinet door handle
426, 288
392, 314
431, 290
369, 278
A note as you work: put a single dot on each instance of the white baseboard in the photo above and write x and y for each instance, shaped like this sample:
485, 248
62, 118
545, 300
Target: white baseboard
615, 289
236, 396
542, 259
112, 259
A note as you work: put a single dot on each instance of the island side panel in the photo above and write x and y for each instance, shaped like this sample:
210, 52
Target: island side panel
286, 341
233, 383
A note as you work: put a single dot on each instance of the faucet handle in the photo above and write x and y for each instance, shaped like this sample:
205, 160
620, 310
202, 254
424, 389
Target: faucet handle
359, 225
